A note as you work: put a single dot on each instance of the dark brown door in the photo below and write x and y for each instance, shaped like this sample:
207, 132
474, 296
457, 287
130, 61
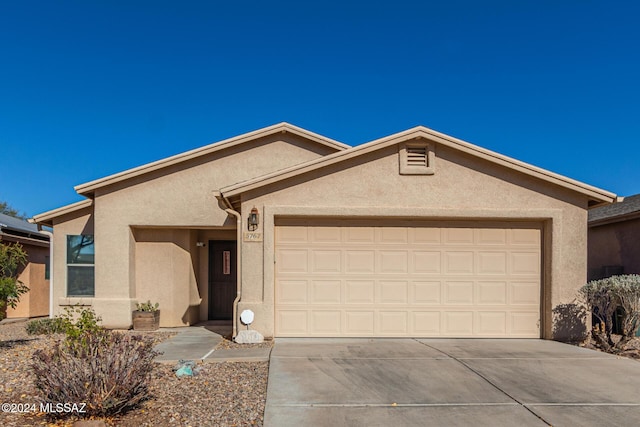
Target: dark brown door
222, 279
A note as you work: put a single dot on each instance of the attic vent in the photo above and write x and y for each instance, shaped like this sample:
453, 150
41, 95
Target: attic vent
417, 158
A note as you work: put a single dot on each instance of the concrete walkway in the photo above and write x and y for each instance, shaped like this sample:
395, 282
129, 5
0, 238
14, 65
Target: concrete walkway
198, 343
405, 382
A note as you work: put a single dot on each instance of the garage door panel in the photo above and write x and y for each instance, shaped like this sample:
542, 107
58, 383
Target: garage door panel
457, 293
390, 235
525, 236
326, 322
325, 234
426, 323
359, 323
292, 322
421, 281
525, 263
360, 262
458, 236
393, 292
326, 292
491, 323
392, 262
291, 292
427, 262
394, 323
292, 261
491, 236
458, 262
491, 293
427, 293
425, 235
359, 235
458, 323
524, 323
360, 291
492, 263
326, 261
525, 293
291, 234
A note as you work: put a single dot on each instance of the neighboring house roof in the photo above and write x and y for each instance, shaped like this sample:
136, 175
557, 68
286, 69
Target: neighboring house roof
88, 188
46, 218
20, 230
629, 208
596, 196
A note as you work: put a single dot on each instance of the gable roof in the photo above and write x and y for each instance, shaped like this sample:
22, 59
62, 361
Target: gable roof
87, 189
46, 218
628, 208
596, 196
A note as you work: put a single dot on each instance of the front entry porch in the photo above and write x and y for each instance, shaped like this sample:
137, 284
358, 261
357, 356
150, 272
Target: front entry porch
191, 273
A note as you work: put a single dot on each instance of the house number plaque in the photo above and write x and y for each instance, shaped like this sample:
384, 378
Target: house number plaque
251, 236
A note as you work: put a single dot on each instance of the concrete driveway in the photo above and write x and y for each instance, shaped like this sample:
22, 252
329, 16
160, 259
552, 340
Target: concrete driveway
448, 382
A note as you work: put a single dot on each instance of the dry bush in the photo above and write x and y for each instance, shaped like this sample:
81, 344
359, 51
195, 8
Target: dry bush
603, 297
108, 371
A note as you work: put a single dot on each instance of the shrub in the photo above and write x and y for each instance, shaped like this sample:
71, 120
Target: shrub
77, 319
603, 297
12, 258
45, 326
109, 372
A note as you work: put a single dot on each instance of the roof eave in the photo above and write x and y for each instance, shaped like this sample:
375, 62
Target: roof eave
24, 239
46, 218
617, 218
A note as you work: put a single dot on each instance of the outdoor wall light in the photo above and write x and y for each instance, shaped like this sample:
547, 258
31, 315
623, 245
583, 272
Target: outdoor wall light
254, 219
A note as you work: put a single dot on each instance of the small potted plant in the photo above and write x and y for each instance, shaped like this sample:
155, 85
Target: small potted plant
146, 317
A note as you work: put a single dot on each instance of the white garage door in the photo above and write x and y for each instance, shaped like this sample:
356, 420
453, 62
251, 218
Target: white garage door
416, 279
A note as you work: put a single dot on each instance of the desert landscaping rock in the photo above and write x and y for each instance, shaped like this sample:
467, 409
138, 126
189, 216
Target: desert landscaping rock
224, 394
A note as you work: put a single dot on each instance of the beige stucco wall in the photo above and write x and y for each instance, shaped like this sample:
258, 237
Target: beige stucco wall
166, 273
134, 263
75, 223
462, 187
34, 303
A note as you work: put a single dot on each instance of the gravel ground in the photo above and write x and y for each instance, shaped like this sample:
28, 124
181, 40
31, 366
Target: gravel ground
223, 394
227, 343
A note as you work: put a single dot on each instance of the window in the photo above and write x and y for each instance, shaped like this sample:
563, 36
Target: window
47, 268
417, 158
80, 266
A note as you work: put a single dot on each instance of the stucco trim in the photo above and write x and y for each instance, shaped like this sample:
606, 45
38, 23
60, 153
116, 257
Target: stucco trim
47, 218
89, 187
597, 196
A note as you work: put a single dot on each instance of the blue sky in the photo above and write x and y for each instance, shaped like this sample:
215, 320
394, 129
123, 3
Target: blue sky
91, 88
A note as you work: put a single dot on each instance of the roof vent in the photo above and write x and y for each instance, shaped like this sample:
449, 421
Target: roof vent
416, 158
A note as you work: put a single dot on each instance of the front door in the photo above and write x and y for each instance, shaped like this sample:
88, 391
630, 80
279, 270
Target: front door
222, 279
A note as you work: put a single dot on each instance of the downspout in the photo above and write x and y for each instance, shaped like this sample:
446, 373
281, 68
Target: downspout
235, 213
50, 234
